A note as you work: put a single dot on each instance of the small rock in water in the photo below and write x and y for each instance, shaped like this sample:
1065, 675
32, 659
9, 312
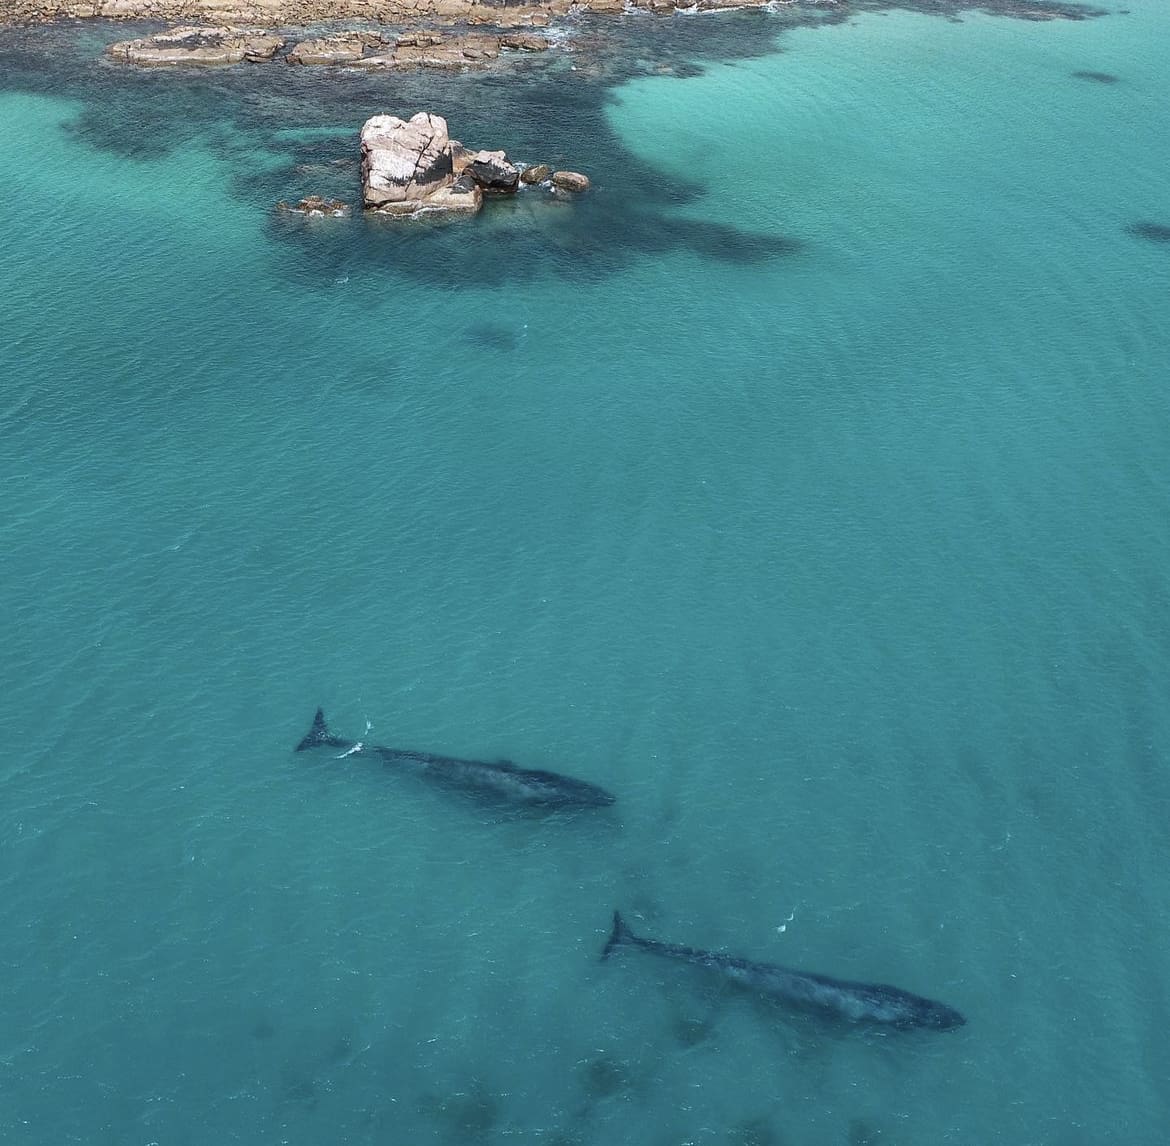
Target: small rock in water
570, 180
537, 173
315, 205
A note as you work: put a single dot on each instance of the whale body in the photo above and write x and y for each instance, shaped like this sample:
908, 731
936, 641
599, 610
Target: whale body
868, 1003
502, 779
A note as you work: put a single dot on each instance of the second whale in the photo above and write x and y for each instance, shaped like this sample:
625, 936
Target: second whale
866, 1003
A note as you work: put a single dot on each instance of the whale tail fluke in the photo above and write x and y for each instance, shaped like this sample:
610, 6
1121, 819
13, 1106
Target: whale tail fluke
319, 734
620, 935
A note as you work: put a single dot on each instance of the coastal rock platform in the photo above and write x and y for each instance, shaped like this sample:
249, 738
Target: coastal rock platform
225, 44
412, 13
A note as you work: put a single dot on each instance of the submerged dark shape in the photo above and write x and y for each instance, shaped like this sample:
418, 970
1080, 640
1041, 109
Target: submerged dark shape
1097, 77
492, 336
503, 779
870, 1003
1155, 232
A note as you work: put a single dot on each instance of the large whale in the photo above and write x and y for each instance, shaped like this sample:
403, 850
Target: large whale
868, 1003
503, 779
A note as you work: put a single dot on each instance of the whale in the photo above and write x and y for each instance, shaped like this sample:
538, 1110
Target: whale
872, 1004
502, 779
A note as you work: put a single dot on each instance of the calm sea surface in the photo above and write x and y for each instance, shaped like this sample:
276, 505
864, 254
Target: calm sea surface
807, 485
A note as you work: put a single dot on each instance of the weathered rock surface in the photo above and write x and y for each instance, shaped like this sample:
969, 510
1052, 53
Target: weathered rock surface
464, 196
570, 180
291, 13
524, 42
493, 171
537, 173
460, 157
284, 13
405, 162
342, 49
223, 44
200, 46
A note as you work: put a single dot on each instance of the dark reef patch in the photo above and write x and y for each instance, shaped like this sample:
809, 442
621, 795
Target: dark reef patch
862, 1133
1097, 77
1153, 232
689, 1032
467, 1116
299, 1088
754, 1132
604, 1077
263, 1030
492, 336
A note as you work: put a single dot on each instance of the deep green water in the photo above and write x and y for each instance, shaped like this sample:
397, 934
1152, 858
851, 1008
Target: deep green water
806, 485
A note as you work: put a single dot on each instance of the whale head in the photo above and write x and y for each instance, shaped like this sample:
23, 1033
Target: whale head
939, 1017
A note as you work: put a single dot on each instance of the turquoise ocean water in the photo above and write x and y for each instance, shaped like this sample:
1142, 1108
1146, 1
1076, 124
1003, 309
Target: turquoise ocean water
806, 485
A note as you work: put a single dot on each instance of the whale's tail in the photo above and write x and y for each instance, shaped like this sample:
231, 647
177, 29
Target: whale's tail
320, 734
620, 935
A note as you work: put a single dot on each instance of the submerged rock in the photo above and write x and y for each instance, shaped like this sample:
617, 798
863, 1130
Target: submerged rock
315, 206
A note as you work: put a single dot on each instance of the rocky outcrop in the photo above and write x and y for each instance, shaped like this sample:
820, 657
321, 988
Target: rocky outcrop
535, 173
413, 166
493, 171
211, 46
570, 181
405, 162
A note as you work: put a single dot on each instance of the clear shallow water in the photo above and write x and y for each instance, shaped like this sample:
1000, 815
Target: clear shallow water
804, 486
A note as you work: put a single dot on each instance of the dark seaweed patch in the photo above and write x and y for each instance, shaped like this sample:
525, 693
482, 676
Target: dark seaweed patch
862, 1133
604, 1077
691, 1032
263, 1030
492, 336
300, 1088
465, 1117
754, 1132
1154, 232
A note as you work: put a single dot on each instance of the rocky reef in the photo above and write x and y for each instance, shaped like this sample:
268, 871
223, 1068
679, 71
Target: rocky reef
198, 46
223, 44
496, 13
412, 167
